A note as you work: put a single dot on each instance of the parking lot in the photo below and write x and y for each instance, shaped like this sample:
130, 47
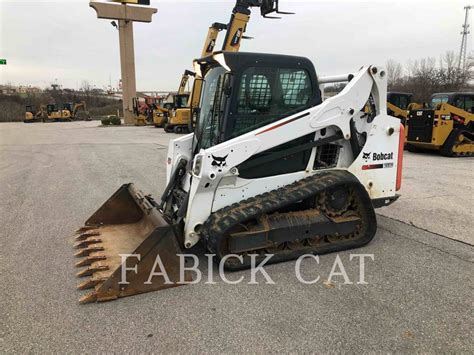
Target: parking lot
54, 176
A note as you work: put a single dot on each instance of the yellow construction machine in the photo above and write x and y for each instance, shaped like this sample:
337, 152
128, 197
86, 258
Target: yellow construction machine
177, 118
149, 110
33, 115
77, 111
183, 119
398, 103
161, 113
447, 125
54, 114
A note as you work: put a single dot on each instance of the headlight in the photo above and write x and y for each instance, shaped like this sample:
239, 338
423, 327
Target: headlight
197, 165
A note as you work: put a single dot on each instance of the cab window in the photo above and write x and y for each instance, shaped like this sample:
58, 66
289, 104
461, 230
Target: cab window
435, 101
267, 94
469, 104
459, 102
404, 102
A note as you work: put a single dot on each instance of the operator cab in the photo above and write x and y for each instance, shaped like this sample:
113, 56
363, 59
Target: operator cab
400, 99
51, 108
180, 101
29, 108
244, 91
67, 106
461, 100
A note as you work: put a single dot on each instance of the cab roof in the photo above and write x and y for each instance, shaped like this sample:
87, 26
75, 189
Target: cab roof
233, 61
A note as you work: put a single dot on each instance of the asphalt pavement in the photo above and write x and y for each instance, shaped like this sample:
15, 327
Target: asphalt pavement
54, 176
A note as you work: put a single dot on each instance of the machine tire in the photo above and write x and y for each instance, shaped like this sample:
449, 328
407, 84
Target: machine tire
168, 128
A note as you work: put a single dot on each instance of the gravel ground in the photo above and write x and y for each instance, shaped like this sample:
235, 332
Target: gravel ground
53, 176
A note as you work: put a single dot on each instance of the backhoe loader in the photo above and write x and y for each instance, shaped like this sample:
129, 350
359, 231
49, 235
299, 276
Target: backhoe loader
270, 169
447, 125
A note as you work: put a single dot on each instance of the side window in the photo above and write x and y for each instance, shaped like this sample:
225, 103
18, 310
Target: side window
404, 102
459, 102
269, 94
255, 93
435, 101
296, 88
469, 104
394, 100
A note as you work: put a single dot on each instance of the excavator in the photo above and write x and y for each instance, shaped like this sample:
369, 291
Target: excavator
271, 172
75, 109
446, 126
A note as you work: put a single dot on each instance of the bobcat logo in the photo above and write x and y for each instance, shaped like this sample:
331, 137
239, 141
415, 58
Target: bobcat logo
219, 162
365, 155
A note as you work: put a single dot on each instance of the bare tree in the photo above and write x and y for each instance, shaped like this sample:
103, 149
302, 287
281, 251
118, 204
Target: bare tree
394, 74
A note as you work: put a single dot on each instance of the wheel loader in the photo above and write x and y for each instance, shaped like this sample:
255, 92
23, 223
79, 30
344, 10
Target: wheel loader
270, 169
447, 125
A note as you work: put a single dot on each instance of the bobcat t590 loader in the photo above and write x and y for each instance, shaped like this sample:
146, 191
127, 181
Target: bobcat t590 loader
270, 169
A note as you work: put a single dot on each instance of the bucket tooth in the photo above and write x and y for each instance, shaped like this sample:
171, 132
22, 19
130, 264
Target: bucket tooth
87, 242
90, 259
86, 235
84, 229
90, 283
90, 270
88, 298
88, 250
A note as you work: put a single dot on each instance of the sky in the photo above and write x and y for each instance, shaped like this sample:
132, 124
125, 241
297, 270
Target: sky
48, 41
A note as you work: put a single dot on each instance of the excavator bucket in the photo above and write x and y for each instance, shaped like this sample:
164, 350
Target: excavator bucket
124, 243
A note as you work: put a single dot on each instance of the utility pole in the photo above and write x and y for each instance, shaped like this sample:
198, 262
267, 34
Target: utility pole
465, 32
126, 16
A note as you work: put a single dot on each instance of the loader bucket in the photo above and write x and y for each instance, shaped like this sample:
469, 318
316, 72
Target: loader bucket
127, 224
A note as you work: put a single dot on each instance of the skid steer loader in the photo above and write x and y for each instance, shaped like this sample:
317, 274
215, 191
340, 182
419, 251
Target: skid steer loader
270, 169
446, 126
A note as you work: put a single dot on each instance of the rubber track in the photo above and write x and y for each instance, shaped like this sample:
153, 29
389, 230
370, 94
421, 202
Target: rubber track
447, 148
223, 220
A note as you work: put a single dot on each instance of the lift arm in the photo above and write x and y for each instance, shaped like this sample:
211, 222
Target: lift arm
240, 18
234, 35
